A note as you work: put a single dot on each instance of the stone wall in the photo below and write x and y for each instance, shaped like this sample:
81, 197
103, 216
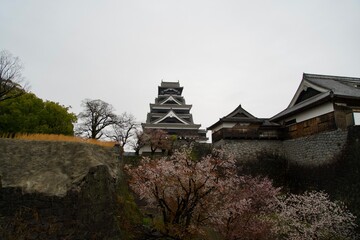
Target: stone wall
316, 149
58, 190
84, 213
247, 150
312, 150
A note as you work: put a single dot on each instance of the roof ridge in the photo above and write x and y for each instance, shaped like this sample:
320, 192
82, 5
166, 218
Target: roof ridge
237, 110
170, 81
330, 77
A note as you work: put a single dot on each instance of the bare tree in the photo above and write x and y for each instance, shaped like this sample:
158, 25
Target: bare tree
138, 142
97, 116
124, 129
10, 76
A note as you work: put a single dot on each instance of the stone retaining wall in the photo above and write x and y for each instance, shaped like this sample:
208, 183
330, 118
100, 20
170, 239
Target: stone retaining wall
58, 190
247, 150
313, 150
317, 149
85, 213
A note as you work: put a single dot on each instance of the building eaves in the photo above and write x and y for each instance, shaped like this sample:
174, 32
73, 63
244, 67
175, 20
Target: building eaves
186, 115
316, 100
241, 120
214, 125
170, 106
267, 123
171, 126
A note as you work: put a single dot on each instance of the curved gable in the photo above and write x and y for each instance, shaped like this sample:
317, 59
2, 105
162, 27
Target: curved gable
171, 100
169, 115
305, 91
306, 94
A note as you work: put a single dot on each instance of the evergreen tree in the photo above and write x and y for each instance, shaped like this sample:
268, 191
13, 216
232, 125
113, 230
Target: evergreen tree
30, 114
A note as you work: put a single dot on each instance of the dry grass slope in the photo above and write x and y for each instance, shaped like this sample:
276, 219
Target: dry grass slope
58, 138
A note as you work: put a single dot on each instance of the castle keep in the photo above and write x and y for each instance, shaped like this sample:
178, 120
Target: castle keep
171, 113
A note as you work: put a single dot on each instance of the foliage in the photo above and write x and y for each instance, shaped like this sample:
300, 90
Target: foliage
30, 114
95, 118
271, 165
313, 216
10, 76
128, 215
200, 150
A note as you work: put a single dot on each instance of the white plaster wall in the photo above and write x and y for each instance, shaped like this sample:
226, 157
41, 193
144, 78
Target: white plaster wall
224, 125
314, 112
147, 149
357, 118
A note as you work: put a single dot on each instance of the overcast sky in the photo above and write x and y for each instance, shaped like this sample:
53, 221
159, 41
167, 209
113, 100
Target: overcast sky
223, 52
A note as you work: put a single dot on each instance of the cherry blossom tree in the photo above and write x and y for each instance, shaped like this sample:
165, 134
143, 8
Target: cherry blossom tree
245, 212
313, 216
156, 139
191, 194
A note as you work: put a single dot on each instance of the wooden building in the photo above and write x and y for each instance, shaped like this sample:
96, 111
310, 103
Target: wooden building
321, 103
240, 124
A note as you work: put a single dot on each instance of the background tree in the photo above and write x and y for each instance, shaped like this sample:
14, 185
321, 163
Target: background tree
95, 118
30, 114
138, 142
124, 129
10, 76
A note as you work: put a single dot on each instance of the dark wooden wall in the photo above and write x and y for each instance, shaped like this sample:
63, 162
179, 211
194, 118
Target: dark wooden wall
312, 126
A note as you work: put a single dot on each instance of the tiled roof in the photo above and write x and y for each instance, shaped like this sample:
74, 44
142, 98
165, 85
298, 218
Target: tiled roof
332, 86
170, 106
340, 86
171, 126
170, 84
239, 115
239, 111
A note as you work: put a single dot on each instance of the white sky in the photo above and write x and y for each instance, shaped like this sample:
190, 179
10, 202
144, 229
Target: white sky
223, 52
